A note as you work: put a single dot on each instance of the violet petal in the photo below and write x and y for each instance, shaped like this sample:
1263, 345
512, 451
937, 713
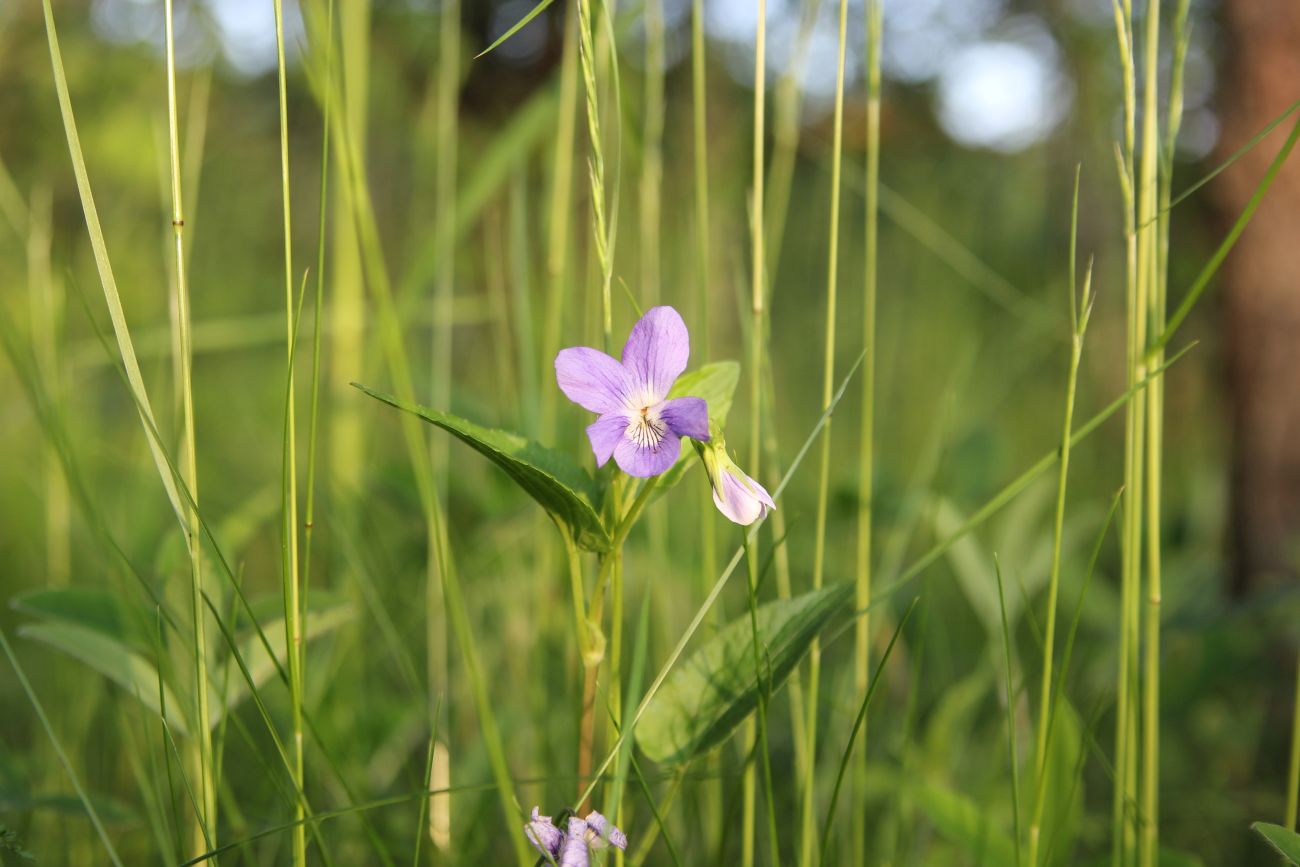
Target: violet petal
656, 351
575, 852
645, 461
687, 416
606, 832
591, 379
605, 434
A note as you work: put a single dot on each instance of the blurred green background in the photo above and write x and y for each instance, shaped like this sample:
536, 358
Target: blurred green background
989, 106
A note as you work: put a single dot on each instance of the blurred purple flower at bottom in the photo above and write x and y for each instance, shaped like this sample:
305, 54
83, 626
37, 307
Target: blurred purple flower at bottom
638, 425
572, 847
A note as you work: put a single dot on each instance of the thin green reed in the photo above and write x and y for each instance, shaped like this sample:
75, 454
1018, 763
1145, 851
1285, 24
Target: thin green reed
866, 442
712, 788
194, 544
309, 513
558, 267
596, 165
1156, 187
757, 264
785, 133
447, 90
1151, 302
292, 590
652, 162
808, 838
1080, 313
1293, 769
1125, 710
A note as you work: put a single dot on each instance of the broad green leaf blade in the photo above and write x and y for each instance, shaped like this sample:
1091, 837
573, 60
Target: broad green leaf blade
259, 663
550, 477
100, 611
1284, 840
114, 660
716, 688
716, 383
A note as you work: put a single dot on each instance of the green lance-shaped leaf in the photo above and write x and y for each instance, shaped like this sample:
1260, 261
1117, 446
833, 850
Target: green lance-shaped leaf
91, 608
712, 692
113, 659
552, 478
1284, 840
109, 634
716, 383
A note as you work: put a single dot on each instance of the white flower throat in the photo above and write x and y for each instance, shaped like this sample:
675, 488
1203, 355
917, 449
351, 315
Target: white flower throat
645, 428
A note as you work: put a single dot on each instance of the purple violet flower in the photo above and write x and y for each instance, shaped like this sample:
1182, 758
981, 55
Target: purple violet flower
737, 496
638, 425
572, 847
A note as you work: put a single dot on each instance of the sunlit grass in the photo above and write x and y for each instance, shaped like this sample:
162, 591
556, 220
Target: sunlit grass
412, 657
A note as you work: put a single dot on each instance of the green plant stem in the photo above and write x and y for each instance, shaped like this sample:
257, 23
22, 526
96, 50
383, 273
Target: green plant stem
700, 153
1293, 771
292, 590
757, 265
561, 194
764, 694
436, 650
1149, 300
1130, 567
652, 153
866, 442
1054, 580
203, 735
808, 839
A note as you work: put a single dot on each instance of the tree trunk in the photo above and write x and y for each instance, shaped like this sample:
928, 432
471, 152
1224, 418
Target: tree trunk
1262, 291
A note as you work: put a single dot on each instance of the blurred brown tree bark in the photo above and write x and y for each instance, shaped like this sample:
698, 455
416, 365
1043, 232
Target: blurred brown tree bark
1261, 77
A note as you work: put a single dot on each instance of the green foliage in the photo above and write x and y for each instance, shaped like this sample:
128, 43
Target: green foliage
560, 486
106, 633
10, 844
1284, 840
715, 689
716, 383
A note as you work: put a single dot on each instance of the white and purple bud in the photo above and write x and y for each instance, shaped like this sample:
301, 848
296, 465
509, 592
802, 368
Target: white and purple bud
737, 496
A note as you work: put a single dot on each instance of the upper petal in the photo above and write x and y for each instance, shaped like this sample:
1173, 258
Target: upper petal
648, 460
656, 351
687, 416
605, 434
591, 379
